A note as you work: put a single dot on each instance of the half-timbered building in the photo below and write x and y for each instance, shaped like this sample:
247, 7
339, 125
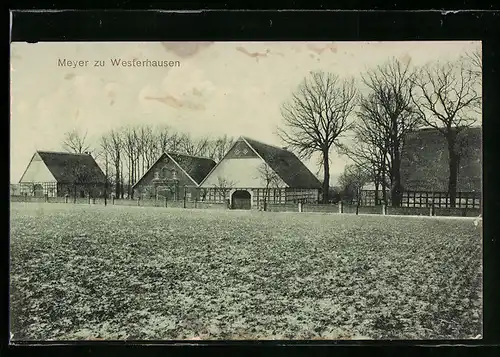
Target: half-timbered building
253, 173
173, 176
56, 174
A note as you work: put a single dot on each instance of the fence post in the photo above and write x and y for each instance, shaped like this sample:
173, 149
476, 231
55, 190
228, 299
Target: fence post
384, 209
112, 200
300, 206
138, 201
432, 212
341, 207
46, 197
166, 201
89, 198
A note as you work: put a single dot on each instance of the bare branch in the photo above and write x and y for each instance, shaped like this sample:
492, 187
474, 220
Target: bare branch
317, 115
76, 142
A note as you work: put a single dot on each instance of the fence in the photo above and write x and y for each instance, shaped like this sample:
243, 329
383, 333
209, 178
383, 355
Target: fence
465, 211
122, 202
427, 199
376, 210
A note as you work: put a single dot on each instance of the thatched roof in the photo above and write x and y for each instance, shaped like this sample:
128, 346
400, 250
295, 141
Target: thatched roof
424, 163
286, 164
72, 168
197, 168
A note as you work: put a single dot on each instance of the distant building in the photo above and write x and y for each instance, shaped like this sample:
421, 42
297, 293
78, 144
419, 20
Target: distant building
59, 174
424, 161
174, 176
252, 172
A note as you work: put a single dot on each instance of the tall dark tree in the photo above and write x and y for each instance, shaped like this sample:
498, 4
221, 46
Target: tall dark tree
111, 143
448, 96
316, 116
387, 114
370, 149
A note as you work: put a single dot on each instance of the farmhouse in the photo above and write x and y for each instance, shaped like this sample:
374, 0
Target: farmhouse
174, 176
425, 170
424, 161
59, 174
252, 173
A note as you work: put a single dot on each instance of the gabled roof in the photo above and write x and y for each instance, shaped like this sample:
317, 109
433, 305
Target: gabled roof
286, 164
71, 168
195, 167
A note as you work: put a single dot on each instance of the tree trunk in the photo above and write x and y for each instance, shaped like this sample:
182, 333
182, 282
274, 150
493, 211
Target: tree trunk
122, 189
453, 173
377, 184
106, 182
384, 188
130, 171
131, 191
396, 186
326, 176
117, 176
358, 200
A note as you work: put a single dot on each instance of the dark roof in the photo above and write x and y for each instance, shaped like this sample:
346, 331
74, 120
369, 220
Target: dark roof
286, 164
424, 161
70, 168
196, 167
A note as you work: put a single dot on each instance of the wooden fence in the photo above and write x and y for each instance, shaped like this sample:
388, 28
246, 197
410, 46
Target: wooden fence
427, 199
415, 209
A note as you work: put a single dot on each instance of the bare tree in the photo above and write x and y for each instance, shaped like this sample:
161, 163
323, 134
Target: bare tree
370, 149
448, 97
193, 146
270, 180
352, 181
111, 143
81, 177
105, 152
76, 142
130, 142
223, 186
218, 147
386, 116
316, 116
474, 62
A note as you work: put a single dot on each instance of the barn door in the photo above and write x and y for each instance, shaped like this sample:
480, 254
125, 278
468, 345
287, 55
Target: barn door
241, 199
38, 190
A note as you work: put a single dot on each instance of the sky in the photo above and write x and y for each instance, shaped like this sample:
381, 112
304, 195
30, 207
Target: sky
233, 88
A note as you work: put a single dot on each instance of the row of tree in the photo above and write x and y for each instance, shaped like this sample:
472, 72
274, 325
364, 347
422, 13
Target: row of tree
395, 99
126, 153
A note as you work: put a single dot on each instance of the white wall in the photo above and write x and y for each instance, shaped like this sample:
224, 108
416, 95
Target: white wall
242, 172
37, 171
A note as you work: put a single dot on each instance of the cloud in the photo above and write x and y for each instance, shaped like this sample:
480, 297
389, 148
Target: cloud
255, 55
177, 103
183, 88
332, 47
185, 49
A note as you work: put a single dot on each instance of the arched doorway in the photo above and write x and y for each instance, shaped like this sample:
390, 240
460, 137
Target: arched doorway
241, 199
38, 190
